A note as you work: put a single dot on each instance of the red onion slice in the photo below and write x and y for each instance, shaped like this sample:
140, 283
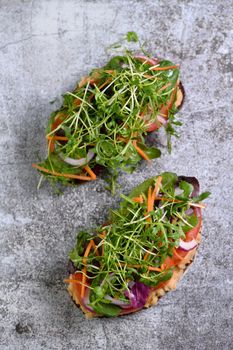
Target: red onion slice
188, 245
86, 301
118, 302
162, 120
79, 162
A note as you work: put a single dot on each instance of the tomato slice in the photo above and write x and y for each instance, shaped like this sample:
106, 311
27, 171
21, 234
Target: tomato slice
178, 253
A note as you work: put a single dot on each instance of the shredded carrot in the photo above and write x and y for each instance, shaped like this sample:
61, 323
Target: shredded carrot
55, 124
163, 115
163, 267
120, 138
140, 151
109, 71
165, 109
150, 76
77, 102
84, 270
149, 204
57, 138
95, 249
51, 146
102, 236
69, 176
138, 199
152, 268
104, 84
156, 189
146, 256
164, 87
152, 195
83, 81
149, 200
74, 281
164, 68
90, 172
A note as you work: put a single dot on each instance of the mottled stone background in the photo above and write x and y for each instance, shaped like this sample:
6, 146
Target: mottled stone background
45, 47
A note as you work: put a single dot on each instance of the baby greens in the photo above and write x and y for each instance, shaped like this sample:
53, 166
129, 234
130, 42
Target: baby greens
108, 114
135, 244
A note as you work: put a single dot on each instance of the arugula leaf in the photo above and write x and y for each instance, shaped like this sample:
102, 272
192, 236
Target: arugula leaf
186, 187
201, 197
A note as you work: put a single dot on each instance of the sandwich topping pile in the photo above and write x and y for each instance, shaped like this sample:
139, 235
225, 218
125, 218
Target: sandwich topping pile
142, 250
104, 121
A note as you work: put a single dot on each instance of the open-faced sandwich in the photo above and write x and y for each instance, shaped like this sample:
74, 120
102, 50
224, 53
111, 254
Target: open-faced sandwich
142, 251
104, 121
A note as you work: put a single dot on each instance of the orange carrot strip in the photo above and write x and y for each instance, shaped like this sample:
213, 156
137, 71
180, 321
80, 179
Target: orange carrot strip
152, 268
164, 68
51, 146
146, 256
149, 204
163, 267
149, 201
55, 124
84, 270
138, 199
120, 138
57, 138
150, 76
102, 236
90, 172
83, 81
156, 189
164, 87
95, 249
74, 281
104, 84
69, 176
140, 151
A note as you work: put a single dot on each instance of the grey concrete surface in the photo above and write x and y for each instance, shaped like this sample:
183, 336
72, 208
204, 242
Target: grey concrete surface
45, 47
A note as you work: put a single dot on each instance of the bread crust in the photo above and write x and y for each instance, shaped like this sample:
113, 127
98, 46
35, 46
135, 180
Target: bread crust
178, 273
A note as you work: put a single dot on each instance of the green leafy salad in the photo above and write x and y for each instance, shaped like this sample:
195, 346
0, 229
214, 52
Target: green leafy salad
115, 268
103, 123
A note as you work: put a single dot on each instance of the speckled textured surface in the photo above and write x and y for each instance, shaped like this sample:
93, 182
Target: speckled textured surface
45, 47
